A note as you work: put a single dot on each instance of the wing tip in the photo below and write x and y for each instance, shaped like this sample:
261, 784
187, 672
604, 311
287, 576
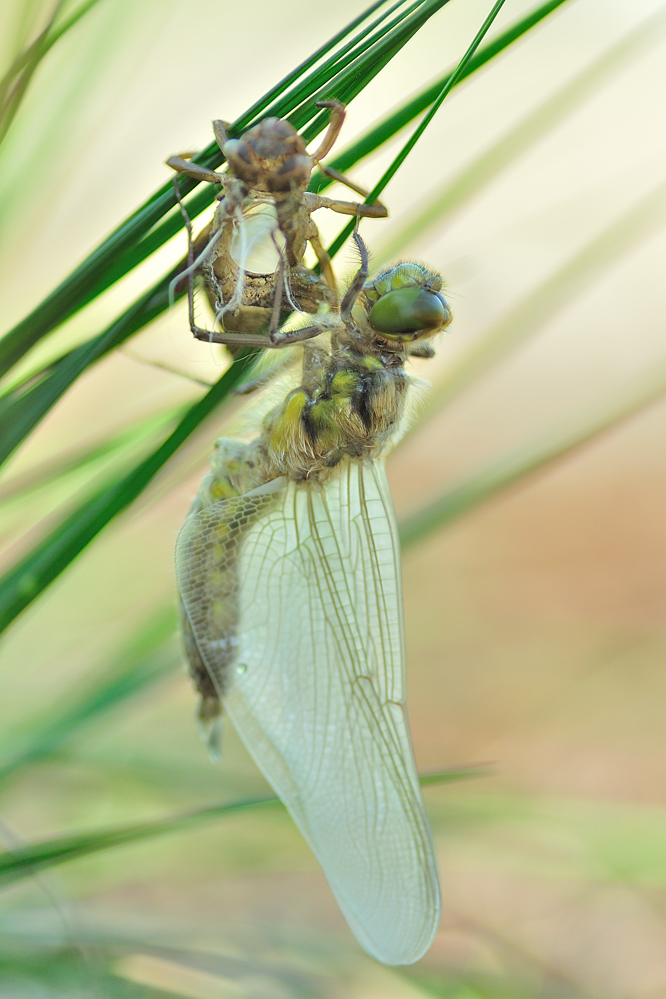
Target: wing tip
405, 951
392, 942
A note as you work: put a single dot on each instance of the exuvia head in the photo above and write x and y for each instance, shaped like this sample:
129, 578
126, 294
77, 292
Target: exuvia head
270, 156
405, 303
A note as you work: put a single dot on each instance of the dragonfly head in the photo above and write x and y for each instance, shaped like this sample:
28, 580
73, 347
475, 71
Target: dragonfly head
405, 303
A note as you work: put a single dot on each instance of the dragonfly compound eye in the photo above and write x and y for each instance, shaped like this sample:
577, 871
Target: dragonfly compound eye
406, 313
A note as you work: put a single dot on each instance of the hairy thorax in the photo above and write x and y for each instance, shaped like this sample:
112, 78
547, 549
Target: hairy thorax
349, 404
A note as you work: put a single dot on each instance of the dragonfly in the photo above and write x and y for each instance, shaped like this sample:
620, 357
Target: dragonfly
251, 254
288, 567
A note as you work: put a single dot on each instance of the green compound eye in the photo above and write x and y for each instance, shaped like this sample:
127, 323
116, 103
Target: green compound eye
407, 312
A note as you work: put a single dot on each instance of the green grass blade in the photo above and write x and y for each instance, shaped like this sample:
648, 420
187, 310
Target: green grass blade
23, 60
15, 82
476, 175
24, 406
287, 81
521, 463
393, 123
142, 662
74, 460
26, 861
467, 772
344, 58
457, 75
25, 581
448, 85
369, 61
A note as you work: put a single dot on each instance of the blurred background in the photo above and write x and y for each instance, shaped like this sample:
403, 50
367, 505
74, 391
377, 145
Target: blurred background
535, 622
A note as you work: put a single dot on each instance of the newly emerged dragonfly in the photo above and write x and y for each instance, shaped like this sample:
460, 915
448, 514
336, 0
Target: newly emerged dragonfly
289, 572
251, 254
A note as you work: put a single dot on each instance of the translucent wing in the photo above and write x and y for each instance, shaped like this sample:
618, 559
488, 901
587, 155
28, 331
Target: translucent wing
317, 689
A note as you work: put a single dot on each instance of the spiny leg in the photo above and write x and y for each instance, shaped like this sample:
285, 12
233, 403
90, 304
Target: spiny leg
277, 300
361, 276
285, 338
236, 299
193, 170
338, 113
199, 333
343, 179
190, 257
220, 131
293, 305
314, 201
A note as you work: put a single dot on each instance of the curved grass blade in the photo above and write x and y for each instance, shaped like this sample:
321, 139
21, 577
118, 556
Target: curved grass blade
15, 82
74, 460
25, 581
349, 82
345, 57
24, 862
143, 661
402, 155
437, 103
286, 82
517, 465
393, 123
68, 297
474, 176
23, 406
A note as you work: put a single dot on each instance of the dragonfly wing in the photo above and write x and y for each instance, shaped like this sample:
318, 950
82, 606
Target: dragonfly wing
318, 696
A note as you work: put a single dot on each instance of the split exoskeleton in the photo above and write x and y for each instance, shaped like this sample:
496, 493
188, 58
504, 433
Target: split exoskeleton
250, 256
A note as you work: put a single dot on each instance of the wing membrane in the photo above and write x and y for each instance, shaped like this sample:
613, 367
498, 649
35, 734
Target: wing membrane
318, 693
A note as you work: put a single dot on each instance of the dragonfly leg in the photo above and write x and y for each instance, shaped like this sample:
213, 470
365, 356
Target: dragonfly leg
193, 170
338, 113
315, 201
360, 278
284, 338
343, 179
220, 131
192, 263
